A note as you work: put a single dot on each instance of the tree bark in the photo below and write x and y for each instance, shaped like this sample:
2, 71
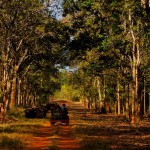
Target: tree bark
19, 92
146, 5
149, 102
144, 101
127, 101
135, 63
99, 95
13, 91
134, 83
6, 76
118, 98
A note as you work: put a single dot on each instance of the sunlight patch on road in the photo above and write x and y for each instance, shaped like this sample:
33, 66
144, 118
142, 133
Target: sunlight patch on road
54, 137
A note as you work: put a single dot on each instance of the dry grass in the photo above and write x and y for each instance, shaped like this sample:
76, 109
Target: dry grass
17, 134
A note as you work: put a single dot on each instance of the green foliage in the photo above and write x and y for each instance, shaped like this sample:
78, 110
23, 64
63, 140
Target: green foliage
16, 112
76, 99
37, 43
67, 92
11, 143
86, 4
102, 45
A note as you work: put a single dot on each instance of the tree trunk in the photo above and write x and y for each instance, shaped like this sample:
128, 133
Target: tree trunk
127, 101
149, 102
104, 89
5, 78
134, 86
146, 5
139, 100
13, 91
135, 63
144, 101
133, 105
19, 92
99, 95
118, 98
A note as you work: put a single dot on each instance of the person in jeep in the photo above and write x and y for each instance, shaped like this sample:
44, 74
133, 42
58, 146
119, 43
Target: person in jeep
59, 115
64, 110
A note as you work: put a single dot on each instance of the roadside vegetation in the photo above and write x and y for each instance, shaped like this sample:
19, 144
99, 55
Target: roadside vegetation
16, 131
97, 53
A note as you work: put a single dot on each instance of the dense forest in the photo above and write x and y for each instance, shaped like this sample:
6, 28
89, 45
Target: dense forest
98, 52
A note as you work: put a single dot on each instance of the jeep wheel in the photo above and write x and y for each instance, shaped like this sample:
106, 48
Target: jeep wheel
67, 123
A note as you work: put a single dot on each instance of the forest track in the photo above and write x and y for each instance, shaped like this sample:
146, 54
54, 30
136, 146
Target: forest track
88, 131
57, 137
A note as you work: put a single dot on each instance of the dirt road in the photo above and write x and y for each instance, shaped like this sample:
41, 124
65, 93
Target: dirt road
92, 131
57, 137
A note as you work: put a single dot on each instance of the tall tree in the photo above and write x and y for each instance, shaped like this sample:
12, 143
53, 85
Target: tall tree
118, 33
27, 34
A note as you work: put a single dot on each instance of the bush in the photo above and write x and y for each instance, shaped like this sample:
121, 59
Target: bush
11, 143
16, 112
76, 99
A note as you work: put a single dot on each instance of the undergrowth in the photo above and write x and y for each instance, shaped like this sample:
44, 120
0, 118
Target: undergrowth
16, 135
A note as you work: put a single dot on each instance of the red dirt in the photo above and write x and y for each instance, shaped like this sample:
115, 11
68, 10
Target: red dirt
57, 137
94, 131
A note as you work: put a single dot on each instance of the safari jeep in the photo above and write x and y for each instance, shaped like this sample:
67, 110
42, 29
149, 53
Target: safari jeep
59, 118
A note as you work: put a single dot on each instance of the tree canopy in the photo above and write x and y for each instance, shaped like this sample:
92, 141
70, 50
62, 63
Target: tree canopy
110, 44
106, 42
